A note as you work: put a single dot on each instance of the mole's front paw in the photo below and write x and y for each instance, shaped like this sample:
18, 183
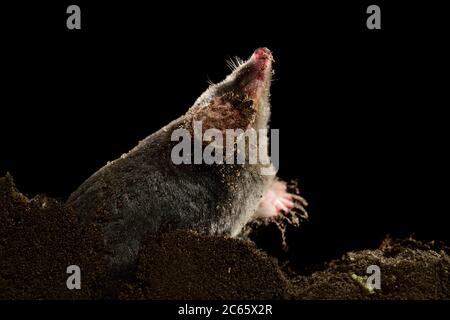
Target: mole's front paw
278, 199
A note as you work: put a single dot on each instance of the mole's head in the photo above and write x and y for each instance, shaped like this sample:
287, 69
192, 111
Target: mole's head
240, 101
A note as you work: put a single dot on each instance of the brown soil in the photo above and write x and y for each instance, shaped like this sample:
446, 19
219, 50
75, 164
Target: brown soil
407, 272
40, 237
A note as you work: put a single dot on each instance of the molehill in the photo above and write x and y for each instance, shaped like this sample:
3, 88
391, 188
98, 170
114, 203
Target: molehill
40, 237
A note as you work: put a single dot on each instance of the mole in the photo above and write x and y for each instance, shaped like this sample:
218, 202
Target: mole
145, 192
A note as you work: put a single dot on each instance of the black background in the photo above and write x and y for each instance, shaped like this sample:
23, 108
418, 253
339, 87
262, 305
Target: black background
361, 112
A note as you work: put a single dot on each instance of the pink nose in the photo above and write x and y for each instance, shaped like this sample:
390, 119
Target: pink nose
263, 54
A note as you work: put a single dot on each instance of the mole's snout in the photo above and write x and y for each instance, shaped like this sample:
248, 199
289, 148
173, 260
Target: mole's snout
260, 65
263, 54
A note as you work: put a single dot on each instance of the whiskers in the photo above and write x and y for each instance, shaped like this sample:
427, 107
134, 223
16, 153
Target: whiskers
234, 63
